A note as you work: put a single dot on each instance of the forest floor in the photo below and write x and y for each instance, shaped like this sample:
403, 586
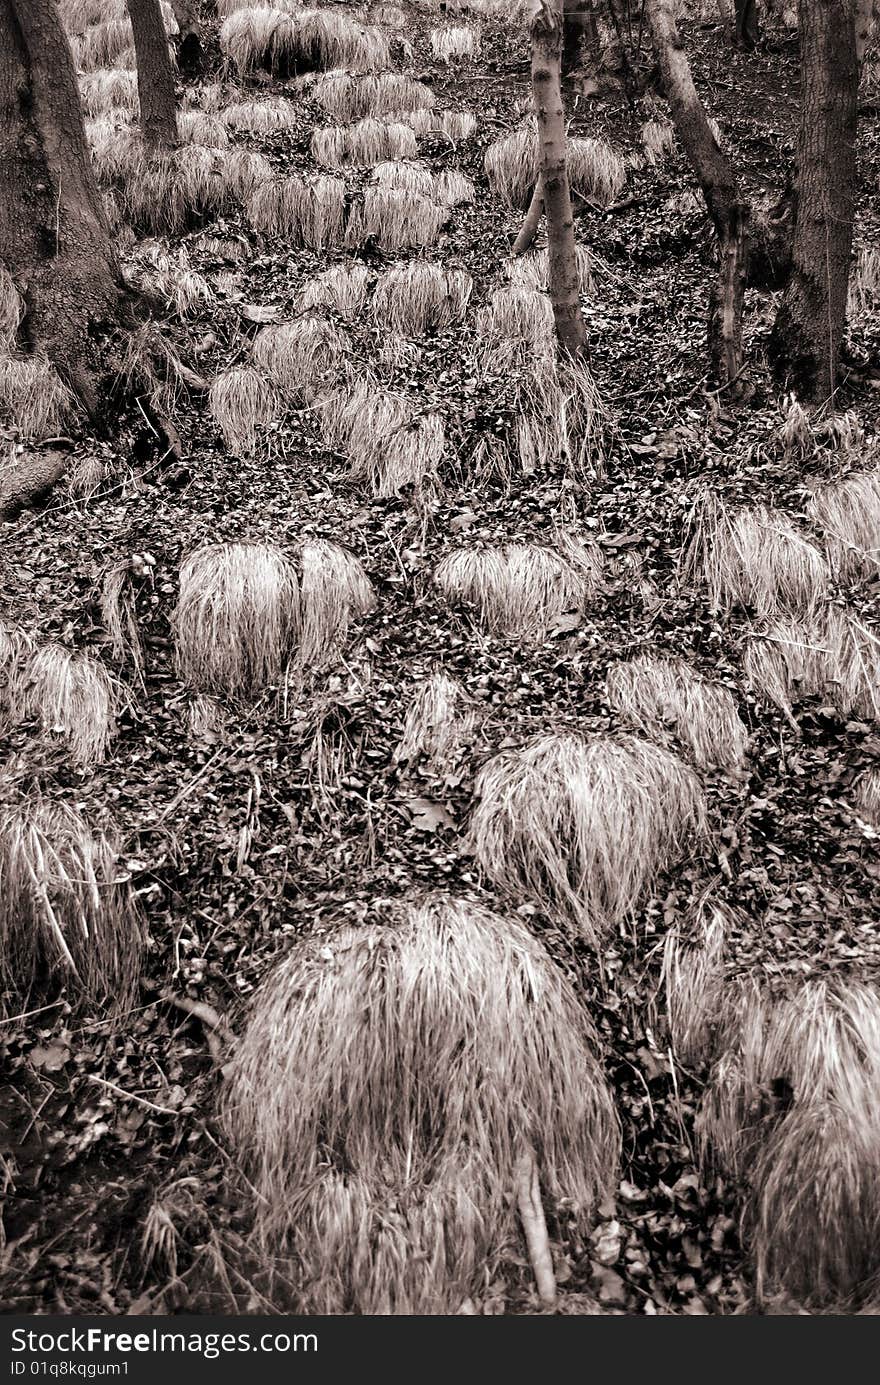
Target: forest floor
234, 844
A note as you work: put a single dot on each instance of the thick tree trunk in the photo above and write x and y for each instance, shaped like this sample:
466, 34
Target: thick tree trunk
724, 202
547, 94
746, 31
807, 334
189, 40
54, 236
154, 73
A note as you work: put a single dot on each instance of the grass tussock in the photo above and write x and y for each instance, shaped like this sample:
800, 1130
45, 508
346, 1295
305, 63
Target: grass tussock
754, 558
533, 271
199, 127
348, 97
343, 288
260, 117
583, 826
454, 44
242, 402
791, 1107
119, 614
244, 172
109, 90
439, 724
693, 983
521, 590
395, 220
67, 913
302, 355
389, 1082
665, 697
334, 590
658, 140
71, 695
864, 287
453, 188
832, 655
456, 126
34, 402
362, 145
596, 171
417, 297
405, 176
848, 513
11, 311
304, 213
302, 40
236, 617
387, 446
866, 797
421, 121
517, 324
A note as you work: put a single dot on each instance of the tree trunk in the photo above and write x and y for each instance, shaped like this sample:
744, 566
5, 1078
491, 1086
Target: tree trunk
189, 41
54, 236
529, 228
578, 22
746, 32
806, 338
728, 211
154, 73
553, 172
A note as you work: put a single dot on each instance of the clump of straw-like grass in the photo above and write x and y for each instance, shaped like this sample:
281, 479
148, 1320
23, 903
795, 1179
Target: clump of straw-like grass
533, 271
11, 310
754, 558
236, 617
693, 982
71, 695
362, 145
260, 117
791, 1108
67, 913
242, 401
439, 723
199, 127
349, 97
452, 188
517, 323
405, 177
832, 655
245, 171
864, 287
661, 697
301, 40
658, 139
310, 214
301, 355
334, 590
107, 90
386, 446
867, 797
34, 402
848, 513
583, 826
455, 43
395, 220
119, 614
418, 297
421, 121
392, 1084
595, 170
456, 125
342, 288
521, 590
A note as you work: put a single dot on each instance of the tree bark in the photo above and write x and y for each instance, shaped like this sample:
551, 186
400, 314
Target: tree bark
727, 209
189, 41
578, 22
529, 228
553, 174
155, 74
54, 236
807, 335
746, 31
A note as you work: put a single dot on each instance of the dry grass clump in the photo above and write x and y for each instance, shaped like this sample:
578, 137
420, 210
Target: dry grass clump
391, 1082
71, 695
533, 271
170, 277
396, 220
198, 127
102, 45
456, 125
453, 188
349, 97
334, 590
754, 558
301, 355
260, 117
791, 1107
258, 36
662, 697
362, 145
386, 446
34, 402
832, 655
867, 797
242, 401
455, 43
583, 826
245, 172
342, 288
236, 617
405, 177
864, 287
77, 15
11, 311
439, 723
421, 121
521, 590
562, 424
417, 297
658, 139
595, 170
517, 323
300, 40
67, 914
848, 512
157, 194
330, 39
107, 90
310, 214
693, 982
119, 614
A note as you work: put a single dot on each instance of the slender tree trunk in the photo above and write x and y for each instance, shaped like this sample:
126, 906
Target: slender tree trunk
529, 228
579, 22
154, 73
807, 335
746, 31
547, 93
54, 236
724, 202
189, 42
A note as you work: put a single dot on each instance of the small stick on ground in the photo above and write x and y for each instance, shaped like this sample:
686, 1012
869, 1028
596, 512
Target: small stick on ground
531, 1211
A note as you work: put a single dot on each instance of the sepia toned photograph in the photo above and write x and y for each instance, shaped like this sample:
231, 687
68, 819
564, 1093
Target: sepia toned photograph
439, 669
